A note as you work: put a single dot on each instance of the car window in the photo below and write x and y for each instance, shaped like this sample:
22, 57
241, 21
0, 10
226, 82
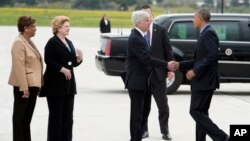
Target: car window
227, 31
183, 30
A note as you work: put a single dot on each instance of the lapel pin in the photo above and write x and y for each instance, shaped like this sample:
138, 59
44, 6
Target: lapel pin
69, 63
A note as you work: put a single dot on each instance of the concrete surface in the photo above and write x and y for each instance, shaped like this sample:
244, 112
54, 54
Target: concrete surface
102, 105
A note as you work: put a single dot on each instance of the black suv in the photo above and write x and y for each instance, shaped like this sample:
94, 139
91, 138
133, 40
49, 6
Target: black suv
233, 31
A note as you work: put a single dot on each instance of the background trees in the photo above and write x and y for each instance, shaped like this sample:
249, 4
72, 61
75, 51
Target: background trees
6, 2
79, 4
121, 4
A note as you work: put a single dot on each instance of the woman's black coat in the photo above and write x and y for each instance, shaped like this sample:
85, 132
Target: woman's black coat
56, 56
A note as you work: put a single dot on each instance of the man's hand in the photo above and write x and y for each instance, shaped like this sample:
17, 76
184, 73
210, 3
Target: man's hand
190, 74
171, 75
173, 65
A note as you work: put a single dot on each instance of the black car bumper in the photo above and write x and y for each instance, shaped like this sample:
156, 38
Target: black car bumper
110, 65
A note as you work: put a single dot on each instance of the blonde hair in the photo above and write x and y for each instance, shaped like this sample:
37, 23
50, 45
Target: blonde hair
57, 23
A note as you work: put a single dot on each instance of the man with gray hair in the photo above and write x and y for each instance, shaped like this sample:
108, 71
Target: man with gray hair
139, 66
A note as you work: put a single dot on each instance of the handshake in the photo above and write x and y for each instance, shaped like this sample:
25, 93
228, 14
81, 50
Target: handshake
173, 65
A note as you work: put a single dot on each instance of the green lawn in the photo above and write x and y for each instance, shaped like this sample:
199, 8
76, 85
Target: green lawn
88, 18
79, 18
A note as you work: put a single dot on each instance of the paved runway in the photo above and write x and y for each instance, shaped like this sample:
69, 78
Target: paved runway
102, 105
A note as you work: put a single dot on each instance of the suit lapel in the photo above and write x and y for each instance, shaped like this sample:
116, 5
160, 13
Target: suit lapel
35, 50
142, 39
62, 44
30, 47
201, 36
154, 32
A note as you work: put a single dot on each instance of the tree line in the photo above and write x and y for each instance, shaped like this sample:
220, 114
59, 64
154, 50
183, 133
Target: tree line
110, 4
79, 4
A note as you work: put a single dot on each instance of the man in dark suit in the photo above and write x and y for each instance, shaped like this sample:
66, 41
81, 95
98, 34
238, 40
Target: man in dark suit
139, 67
202, 71
160, 49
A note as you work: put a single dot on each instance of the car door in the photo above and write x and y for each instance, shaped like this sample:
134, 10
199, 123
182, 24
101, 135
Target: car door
234, 58
183, 37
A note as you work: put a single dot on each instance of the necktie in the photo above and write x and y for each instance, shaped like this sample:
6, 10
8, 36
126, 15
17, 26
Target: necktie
148, 36
146, 41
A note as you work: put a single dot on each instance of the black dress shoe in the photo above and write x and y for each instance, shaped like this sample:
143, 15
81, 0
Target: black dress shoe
145, 134
166, 136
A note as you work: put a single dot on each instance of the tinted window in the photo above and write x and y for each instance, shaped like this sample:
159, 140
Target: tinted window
227, 31
183, 30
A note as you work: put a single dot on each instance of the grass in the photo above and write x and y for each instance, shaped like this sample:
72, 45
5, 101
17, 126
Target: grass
90, 18
79, 18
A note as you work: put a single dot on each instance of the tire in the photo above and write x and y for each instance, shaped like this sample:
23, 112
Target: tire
173, 85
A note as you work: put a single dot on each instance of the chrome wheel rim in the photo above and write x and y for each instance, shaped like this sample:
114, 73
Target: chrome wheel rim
170, 82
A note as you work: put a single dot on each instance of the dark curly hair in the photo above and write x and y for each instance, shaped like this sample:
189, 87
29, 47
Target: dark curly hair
24, 21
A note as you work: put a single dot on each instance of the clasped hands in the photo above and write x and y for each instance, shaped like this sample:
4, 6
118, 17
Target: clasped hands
173, 66
66, 73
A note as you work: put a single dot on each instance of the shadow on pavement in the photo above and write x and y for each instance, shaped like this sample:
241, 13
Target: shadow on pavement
217, 93
102, 91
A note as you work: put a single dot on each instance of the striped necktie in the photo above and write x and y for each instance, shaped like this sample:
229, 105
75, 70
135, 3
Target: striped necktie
146, 41
148, 36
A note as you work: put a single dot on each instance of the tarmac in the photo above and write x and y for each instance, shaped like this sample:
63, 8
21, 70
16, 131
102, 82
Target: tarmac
102, 105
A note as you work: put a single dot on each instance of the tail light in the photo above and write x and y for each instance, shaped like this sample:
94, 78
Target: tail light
108, 48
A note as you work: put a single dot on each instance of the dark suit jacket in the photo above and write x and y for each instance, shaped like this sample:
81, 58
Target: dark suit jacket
103, 27
161, 49
205, 62
56, 56
139, 62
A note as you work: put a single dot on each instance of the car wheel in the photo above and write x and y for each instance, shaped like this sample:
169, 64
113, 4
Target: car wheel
174, 84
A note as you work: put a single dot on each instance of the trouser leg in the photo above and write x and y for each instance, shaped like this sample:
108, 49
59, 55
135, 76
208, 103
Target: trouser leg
200, 103
136, 109
158, 89
55, 105
22, 114
67, 121
146, 111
